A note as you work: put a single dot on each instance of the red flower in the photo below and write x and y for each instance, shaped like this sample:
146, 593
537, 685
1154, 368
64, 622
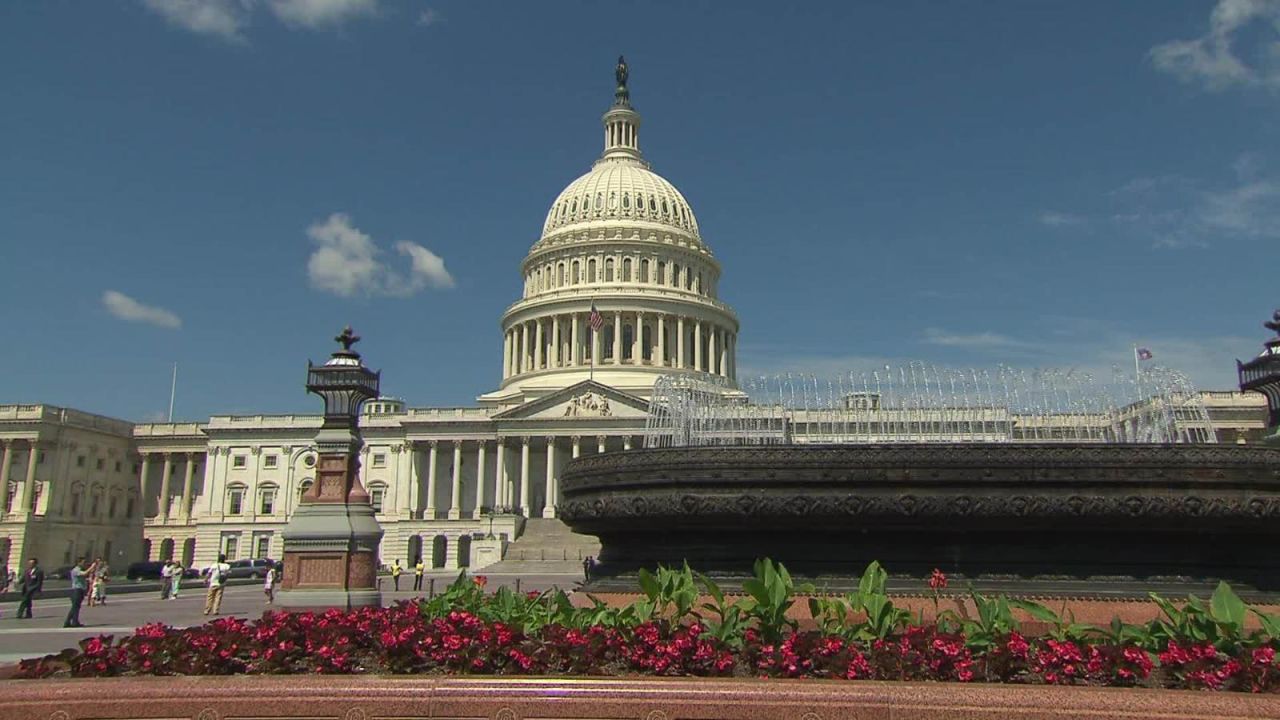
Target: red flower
480, 581
938, 580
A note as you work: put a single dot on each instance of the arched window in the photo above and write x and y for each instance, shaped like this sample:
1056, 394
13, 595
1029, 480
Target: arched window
111, 506
613, 201
665, 211
660, 276
11, 496
628, 339
304, 486
697, 284
644, 271
560, 275
606, 341
76, 491
591, 270
626, 270
95, 501
608, 270
688, 279
653, 207
130, 503
599, 201
646, 343
377, 494
675, 275
574, 274
626, 202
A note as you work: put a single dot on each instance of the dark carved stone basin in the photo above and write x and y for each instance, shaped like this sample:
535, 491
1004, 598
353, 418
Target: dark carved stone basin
1085, 519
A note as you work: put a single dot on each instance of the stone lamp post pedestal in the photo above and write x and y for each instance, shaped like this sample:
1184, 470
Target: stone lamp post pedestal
331, 541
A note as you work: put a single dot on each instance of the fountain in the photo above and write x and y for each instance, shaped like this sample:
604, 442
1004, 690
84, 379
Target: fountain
1041, 481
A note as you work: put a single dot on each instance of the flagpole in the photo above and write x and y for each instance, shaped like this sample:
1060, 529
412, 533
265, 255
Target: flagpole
1137, 372
173, 390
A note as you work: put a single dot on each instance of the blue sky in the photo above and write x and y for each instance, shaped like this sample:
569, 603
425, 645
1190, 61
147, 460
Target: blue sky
1035, 183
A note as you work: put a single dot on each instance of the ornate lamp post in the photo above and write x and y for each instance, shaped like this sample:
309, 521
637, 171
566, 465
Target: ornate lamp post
1262, 374
331, 541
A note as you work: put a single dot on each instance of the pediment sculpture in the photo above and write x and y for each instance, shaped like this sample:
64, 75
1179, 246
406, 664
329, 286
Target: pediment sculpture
588, 404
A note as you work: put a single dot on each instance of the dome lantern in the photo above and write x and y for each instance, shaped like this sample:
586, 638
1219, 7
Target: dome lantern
621, 123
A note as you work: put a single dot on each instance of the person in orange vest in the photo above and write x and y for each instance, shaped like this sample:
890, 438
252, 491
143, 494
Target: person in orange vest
417, 574
395, 574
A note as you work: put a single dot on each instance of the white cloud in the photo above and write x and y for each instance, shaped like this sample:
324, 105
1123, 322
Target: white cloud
314, 14
1214, 59
126, 308
1060, 219
223, 19
975, 341
429, 17
228, 19
348, 262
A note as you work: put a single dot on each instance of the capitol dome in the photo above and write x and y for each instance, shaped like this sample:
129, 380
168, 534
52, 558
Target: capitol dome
620, 287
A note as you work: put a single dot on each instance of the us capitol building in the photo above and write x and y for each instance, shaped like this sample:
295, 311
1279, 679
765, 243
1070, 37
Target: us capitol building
619, 290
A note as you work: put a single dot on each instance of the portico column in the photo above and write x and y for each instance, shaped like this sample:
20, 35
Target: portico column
617, 338
680, 342
662, 340
480, 448
549, 504
6, 465
142, 482
556, 360
407, 487
539, 354
500, 474
697, 345
577, 445
188, 482
596, 346
600, 443
430, 512
455, 492
575, 341
524, 476
626, 442
164, 487
29, 487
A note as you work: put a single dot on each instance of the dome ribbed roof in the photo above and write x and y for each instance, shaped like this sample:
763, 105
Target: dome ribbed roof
621, 189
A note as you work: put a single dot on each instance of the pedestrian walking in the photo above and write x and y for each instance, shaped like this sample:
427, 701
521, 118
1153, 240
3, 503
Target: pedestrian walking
417, 574
395, 574
80, 574
91, 582
217, 574
269, 587
587, 563
29, 585
175, 579
166, 580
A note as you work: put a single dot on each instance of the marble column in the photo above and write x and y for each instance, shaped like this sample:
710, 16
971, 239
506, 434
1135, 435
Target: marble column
549, 505
697, 345
164, 487
188, 486
626, 442
500, 474
575, 341
432, 453
600, 443
662, 341
680, 342
142, 483
724, 353
480, 450
455, 490
617, 338
524, 476
524, 347
29, 487
577, 445
540, 352
711, 349
556, 359
6, 465
637, 344
406, 483
506, 355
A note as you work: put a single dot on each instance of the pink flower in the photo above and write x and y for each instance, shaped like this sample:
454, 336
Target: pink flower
938, 580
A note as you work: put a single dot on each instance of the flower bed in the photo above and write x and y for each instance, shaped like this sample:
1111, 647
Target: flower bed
860, 636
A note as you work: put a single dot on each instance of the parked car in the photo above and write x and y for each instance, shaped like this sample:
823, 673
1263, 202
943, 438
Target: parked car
256, 568
150, 570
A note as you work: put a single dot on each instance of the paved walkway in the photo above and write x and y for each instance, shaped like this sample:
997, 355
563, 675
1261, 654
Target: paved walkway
44, 633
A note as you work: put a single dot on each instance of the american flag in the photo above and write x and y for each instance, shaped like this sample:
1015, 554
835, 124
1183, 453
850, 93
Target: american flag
1144, 354
595, 320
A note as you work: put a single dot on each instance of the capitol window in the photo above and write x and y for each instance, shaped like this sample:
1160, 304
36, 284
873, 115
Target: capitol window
608, 270
644, 271
303, 487
379, 459
575, 274
591, 270
626, 270
269, 461
626, 201
599, 200
376, 495
235, 500
267, 501
111, 507
238, 462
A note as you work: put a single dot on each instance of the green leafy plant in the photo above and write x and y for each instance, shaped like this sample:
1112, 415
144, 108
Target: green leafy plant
882, 617
723, 619
771, 594
1063, 626
672, 592
1221, 622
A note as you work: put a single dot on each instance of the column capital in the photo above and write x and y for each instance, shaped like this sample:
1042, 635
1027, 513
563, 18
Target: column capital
458, 443
255, 450
551, 439
526, 440
433, 443
577, 438
602, 438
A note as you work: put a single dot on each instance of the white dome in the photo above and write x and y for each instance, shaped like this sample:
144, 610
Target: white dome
621, 189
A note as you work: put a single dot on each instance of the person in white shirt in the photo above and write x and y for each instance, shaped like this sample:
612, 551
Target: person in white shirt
217, 575
166, 580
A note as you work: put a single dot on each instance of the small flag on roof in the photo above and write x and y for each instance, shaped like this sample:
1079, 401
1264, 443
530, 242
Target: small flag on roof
1144, 354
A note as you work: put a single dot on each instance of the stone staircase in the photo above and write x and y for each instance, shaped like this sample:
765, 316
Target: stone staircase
546, 547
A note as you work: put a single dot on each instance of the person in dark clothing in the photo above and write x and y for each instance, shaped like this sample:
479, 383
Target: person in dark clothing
30, 585
79, 586
587, 563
